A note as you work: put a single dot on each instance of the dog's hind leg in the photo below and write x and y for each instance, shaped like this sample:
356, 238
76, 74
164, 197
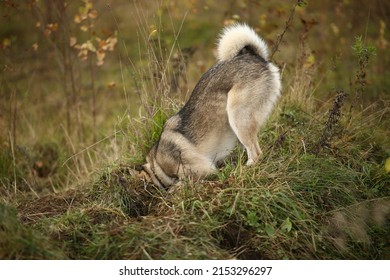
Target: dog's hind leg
245, 120
246, 130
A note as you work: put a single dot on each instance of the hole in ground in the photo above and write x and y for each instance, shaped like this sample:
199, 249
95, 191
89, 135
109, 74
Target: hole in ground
235, 238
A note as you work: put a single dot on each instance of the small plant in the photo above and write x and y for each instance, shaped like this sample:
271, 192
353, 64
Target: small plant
363, 54
85, 18
55, 24
332, 125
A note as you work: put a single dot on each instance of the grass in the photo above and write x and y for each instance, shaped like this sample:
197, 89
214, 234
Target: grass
319, 192
292, 205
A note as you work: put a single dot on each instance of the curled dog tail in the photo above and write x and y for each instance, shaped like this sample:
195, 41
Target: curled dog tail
236, 37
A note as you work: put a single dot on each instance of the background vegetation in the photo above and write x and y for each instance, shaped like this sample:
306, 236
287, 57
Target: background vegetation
86, 86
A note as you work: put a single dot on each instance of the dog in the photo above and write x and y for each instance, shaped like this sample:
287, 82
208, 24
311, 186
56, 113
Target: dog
229, 104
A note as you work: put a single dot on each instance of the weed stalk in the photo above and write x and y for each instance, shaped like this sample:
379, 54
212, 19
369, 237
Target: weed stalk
333, 121
286, 27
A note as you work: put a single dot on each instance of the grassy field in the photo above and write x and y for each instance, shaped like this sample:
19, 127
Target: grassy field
86, 88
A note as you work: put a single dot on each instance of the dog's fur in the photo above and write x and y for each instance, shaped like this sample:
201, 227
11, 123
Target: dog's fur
230, 102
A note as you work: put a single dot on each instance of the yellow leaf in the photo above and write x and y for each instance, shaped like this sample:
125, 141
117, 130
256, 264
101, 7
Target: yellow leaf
90, 46
110, 43
52, 26
88, 5
83, 53
72, 41
387, 165
310, 61
77, 18
111, 85
100, 55
93, 14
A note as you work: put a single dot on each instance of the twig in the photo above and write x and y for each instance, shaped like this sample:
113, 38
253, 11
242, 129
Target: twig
286, 27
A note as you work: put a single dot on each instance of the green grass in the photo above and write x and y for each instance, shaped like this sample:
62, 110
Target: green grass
292, 205
65, 197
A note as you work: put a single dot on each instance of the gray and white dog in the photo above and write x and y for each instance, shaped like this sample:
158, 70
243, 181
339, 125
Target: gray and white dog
230, 102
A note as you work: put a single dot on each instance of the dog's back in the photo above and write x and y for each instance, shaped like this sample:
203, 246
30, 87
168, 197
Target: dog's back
230, 102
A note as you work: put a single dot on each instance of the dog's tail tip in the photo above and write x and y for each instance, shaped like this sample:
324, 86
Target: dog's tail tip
237, 36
